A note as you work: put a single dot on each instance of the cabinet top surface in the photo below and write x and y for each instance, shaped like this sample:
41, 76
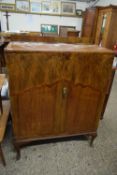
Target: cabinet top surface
54, 47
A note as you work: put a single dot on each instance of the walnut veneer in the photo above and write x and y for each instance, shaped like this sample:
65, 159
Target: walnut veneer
56, 90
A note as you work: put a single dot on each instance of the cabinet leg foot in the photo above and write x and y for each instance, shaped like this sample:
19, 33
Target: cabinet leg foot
17, 148
93, 136
2, 156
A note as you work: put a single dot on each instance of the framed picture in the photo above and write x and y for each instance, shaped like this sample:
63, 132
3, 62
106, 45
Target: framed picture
46, 7
55, 7
7, 7
7, 1
48, 28
35, 7
22, 5
68, 8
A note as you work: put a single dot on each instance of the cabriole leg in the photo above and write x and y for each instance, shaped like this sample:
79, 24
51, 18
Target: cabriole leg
93, 136
17, 148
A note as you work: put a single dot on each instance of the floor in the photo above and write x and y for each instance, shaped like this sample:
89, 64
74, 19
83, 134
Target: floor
71, 157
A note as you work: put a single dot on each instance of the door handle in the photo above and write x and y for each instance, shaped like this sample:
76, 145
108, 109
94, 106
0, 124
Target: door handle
65, 92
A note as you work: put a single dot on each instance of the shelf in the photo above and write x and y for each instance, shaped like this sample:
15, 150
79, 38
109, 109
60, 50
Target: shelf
48, 14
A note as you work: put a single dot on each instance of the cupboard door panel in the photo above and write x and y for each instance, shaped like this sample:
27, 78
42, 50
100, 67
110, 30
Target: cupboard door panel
82, 108
36, 97
106, 29
35, 112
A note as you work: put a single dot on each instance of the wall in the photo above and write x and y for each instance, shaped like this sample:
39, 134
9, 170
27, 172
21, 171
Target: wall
105, 2
33, 22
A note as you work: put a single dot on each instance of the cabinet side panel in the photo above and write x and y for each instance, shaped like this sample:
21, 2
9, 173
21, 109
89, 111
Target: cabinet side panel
89, 23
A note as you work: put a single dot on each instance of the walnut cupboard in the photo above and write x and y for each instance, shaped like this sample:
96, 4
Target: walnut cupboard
57, 90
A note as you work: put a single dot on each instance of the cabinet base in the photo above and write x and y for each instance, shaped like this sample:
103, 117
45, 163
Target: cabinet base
18, 144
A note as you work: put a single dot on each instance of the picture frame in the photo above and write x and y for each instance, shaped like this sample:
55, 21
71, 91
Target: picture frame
7, 7
35, 7
49, 28
68, 8
7, 1
55, 7
22, 5
45, 6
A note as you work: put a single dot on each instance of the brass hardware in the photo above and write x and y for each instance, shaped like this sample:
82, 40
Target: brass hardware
65, 92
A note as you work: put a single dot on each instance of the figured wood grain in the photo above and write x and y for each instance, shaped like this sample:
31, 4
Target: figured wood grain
42, 73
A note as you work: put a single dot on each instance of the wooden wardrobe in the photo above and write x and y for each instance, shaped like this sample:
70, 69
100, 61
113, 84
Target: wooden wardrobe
106, 30
100, 24
89, 23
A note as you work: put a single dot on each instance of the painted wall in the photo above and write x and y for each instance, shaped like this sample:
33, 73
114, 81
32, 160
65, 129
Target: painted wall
33, 22
106, 2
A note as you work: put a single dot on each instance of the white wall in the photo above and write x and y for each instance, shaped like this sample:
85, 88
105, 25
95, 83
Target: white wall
106, 2
31, 22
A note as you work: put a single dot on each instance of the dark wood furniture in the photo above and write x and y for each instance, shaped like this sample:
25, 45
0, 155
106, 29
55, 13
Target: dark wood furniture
106, 36
57, 90
1, 56
3, 44
30, 37
2, 59
49, 39
63, 30
100, 24
108, 91
106, 33
73, 33
4, 110
90, 23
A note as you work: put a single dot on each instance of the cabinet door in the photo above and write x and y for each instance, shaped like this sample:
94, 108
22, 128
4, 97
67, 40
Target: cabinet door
34, 90
103, 25
82, 110
84, 93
